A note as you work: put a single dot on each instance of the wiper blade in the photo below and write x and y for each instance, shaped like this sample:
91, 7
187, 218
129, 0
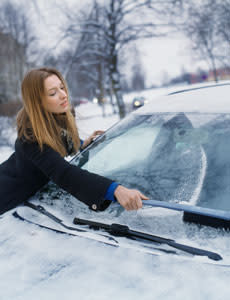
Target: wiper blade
125, 231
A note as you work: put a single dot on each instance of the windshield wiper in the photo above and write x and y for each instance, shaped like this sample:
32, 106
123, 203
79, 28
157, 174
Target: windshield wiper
45, 212
125, 231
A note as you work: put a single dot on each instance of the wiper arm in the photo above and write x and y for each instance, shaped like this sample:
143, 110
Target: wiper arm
45, 212
125, 231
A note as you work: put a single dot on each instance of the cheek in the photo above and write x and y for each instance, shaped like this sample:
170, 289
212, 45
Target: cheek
45, 103
49, 103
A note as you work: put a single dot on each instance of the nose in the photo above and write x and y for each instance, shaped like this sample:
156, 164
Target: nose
63, 93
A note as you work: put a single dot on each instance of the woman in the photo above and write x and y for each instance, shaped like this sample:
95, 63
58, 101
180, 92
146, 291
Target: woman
46, 134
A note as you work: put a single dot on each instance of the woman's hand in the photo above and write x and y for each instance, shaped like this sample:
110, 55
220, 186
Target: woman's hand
129, 199
91, 138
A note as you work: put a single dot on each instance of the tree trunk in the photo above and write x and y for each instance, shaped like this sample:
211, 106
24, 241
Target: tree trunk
118, 94
110, 93
116, 87
113, 61
214, 67
100, 87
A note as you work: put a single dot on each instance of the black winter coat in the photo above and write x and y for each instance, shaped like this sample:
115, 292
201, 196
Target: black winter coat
29, 168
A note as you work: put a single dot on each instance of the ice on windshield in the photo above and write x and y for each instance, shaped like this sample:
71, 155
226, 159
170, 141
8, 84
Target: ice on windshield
168, 156
216, 185
136, 145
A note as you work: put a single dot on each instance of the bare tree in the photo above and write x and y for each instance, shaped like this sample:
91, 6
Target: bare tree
222, 11
83, 64
16, 40
118, 23
207, 25
14, 21
201, 28
138, 75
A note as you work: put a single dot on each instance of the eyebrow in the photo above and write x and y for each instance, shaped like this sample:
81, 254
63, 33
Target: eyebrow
54, 88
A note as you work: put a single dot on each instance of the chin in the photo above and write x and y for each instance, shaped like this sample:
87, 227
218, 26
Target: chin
60, 112
64, 110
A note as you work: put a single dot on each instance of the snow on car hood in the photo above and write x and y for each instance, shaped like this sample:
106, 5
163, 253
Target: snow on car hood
214, 98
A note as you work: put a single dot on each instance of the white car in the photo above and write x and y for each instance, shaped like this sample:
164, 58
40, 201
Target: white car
176, 150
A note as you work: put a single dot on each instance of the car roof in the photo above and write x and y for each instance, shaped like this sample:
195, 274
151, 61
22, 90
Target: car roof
206, 99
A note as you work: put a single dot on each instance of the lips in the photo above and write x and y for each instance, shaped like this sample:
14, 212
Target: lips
64, 103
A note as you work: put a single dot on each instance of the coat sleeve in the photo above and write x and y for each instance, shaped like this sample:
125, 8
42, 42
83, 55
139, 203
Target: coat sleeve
87, 187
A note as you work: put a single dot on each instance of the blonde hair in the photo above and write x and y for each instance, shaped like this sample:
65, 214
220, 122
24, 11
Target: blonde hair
36, 124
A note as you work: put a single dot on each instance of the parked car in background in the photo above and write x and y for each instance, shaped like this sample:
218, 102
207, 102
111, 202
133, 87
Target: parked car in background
138, 102
77, 102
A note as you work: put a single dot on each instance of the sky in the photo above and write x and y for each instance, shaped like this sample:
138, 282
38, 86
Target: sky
161, 58
164, 58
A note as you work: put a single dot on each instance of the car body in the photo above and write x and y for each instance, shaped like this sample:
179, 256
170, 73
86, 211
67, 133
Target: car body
176, 151
176, 132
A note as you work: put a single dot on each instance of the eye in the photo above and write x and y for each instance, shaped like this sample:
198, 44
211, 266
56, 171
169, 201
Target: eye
53, 94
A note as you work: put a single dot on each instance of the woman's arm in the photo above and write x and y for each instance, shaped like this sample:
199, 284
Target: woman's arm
128, 198
88, 187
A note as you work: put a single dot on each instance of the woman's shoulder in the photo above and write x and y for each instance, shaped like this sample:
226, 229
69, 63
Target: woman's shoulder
29, 147
24, 141
25, 146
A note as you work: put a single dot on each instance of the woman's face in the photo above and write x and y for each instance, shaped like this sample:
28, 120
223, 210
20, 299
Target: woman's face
55, 100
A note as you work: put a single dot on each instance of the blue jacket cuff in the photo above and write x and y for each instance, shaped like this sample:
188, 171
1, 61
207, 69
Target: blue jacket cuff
110, 192
81, 143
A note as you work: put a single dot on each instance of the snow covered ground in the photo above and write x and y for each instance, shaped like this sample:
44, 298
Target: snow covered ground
38, 264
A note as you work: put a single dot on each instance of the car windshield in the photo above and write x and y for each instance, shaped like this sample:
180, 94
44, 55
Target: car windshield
168, 156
